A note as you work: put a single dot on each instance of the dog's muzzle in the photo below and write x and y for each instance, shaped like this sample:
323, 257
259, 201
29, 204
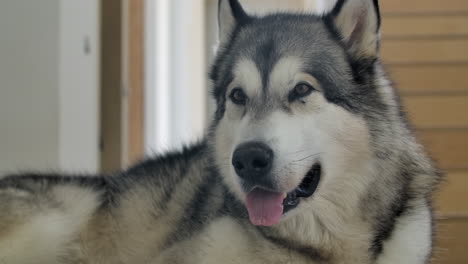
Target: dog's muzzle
253, 162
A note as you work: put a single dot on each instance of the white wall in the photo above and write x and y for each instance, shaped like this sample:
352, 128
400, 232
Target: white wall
28, 84
48, 89
176, 71
78, 85
188, 71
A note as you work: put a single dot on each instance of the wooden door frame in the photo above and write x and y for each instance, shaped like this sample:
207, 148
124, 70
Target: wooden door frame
135, 75
111, 72
122, 83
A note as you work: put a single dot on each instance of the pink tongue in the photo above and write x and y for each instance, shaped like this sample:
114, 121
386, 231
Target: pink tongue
265, 207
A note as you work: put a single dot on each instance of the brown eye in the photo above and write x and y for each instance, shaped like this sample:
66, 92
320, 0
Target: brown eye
238, 96
301, 90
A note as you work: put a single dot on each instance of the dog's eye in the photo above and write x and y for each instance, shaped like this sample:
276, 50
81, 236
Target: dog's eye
238, 96
301, 90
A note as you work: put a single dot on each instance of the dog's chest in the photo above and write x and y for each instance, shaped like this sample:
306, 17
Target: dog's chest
226, 241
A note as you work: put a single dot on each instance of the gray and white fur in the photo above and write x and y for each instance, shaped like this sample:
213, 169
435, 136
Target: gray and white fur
297, 90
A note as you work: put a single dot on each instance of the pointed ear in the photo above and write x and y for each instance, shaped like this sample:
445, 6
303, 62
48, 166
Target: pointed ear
230, 14
358, 21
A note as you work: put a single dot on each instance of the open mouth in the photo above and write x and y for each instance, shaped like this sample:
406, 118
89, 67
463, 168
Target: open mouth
265, 207
305, 189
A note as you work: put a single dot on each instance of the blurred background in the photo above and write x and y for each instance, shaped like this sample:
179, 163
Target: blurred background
93, 86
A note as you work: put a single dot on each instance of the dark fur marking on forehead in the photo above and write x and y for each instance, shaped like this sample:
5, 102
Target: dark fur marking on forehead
265, 59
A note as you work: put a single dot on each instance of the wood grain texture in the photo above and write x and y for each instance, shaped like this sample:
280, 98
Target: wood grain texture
420, 51
452, 241
424, 26
423, 6
136, 81
437, 111
430, 79
448, 147
451, 198
111, 81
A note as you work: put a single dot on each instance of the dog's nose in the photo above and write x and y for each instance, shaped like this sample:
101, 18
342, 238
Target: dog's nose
252, 160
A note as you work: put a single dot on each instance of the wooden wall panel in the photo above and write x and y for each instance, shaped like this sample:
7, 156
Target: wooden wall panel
111, 81
411, 51
451, 246
430, 26
451, 199
438, 111
135, 73
427, 79
423, 6
448, 147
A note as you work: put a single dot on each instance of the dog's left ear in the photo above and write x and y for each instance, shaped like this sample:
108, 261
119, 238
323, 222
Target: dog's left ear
358, 22
230, 14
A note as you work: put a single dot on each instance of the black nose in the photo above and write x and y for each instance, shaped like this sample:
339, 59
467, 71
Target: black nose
252, 160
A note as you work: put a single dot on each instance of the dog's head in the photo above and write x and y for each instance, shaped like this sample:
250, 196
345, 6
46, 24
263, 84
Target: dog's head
292, 93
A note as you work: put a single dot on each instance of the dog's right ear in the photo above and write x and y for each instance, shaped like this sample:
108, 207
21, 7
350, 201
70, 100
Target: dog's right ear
358, 22
230, 14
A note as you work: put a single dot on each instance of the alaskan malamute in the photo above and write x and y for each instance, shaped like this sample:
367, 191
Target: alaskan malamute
309, 159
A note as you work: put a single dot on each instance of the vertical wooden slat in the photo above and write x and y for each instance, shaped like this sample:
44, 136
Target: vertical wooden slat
136, 80
111, 70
